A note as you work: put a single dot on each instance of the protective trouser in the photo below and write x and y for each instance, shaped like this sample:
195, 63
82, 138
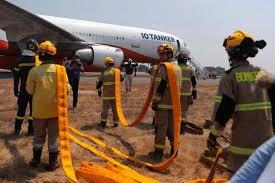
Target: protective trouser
185, 102
23, 99
164, 126
75, 84
41, 128
106, 104
128, 81
234, 162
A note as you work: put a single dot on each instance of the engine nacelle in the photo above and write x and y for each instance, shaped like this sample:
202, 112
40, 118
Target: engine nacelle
96, 54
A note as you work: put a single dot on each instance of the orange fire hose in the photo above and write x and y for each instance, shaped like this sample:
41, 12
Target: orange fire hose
176, 114
172, 82
114, 171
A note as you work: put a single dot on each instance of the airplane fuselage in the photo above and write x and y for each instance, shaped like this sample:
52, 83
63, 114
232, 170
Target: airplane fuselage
137, 43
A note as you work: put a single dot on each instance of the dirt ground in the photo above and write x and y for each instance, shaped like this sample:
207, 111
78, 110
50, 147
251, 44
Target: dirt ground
136, 141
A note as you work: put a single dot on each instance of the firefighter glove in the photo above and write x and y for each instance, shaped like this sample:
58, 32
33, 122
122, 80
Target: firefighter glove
154, 106
212, 143
194, 94
99, 93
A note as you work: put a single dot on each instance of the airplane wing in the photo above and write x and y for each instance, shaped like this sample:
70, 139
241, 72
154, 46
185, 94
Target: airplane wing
21, 25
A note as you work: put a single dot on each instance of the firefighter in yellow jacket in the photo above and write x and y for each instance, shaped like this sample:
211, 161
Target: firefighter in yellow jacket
239, 98
188, 86
41, 84
162, 104
107, 80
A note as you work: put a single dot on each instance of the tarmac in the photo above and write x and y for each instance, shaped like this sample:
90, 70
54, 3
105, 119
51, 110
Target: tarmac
140, 78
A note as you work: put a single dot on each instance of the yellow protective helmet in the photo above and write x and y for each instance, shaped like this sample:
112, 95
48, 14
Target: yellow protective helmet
236, 39
165, 48
109, 60
47, 47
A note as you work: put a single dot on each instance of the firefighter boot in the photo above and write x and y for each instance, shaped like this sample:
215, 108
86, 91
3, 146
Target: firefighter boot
156, 155
102, 124
36, 158
53, 161
172, 151
30, 128
183, 127
17, 127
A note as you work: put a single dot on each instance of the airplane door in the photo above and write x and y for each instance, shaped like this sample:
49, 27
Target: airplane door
178, 45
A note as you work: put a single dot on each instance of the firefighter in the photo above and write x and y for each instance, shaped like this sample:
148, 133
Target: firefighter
74, 69
129, 70
41, 84
21, 71
107, 80
188, 86
162, 104
239, 98
153, 71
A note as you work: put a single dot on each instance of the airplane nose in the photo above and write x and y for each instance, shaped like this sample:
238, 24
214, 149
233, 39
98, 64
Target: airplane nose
4, 45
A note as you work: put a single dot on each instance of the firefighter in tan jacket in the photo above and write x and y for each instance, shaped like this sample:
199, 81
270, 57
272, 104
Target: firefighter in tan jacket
162, 104
107, 80
239, 98
153, 71
188, 87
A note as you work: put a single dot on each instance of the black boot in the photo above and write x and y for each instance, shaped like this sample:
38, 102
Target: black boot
17, 127
115, 125
53, 161
30, 128
183, 127
36, 158
102, 124
156, 155
172, 151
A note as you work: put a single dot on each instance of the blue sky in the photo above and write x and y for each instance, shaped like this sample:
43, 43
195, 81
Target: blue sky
203, 24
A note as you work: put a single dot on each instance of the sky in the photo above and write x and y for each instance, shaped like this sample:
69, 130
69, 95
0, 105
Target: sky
202, 24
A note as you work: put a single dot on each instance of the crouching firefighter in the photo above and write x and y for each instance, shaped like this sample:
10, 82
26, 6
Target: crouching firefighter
188, 86
107, 80
162, 103
239, 98
21, 71
41, 84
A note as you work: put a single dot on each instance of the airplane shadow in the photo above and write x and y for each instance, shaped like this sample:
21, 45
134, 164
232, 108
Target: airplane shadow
19, 170
90, 127
145, 126
126, 144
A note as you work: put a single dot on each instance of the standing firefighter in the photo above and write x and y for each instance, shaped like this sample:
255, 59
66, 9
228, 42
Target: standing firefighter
153, 71
41, 84
74, 69
21, 71
239, 98
107, 80
129, 70
188, 86
162, 103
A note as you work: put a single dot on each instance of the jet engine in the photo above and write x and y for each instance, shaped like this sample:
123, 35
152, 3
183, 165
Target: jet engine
95, 55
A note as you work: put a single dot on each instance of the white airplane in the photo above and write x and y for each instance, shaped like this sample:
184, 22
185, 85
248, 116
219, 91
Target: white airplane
93, 41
